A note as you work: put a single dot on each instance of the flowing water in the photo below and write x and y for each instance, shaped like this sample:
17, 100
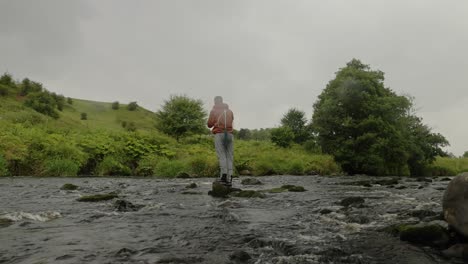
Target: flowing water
39, 223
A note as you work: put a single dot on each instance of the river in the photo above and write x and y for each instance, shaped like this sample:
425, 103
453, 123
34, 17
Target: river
44, 224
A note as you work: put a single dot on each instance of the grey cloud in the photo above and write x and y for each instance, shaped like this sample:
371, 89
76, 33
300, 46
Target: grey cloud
262, 56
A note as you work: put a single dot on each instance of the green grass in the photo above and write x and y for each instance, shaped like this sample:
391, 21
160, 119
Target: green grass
457, 165
101, 116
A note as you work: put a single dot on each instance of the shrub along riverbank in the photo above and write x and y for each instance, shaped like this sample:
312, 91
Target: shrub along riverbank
39, 151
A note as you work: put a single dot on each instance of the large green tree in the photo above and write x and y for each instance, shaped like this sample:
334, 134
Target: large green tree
180, 116
296, 120
369, 128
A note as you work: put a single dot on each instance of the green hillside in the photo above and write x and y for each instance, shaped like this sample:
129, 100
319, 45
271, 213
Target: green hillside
100, 115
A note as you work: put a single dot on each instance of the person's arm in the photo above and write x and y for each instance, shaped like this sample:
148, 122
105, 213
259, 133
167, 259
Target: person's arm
211, 120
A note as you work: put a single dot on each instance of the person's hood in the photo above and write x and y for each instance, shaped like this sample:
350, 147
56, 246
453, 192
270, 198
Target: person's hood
221, 106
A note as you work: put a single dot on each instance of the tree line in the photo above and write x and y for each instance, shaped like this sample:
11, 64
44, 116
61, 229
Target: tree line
365, 126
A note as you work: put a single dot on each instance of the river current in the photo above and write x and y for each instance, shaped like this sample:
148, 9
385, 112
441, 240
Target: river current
40, 223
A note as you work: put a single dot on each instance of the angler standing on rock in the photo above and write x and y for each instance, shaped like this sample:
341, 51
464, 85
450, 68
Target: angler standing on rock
220, 122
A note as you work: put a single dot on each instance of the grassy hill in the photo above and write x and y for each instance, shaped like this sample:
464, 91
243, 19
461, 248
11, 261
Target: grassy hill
100, 115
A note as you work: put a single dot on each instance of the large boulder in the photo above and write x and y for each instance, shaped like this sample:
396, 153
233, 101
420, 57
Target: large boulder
455, 204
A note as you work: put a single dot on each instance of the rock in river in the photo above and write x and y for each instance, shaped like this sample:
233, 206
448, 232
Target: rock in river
455, 204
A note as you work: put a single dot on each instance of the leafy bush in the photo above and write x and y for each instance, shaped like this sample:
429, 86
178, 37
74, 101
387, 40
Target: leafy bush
115, 105
170, 168
147, 165
132, 106
4, 90
84, 116
112, 166
43, 103
69, 100
61, 167
296, 167
3, 167
282, 136
204, 166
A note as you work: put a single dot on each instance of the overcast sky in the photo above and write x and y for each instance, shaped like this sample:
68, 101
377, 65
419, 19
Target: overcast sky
263, 57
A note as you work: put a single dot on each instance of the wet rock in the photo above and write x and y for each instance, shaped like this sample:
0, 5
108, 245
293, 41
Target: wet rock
181, 260
97, 197
183, 175
65, 257
455, 204
245, 173
126, 206
220, 190
423, 234
275, 190
69, 187
423, 180
457, 251
325, 211
251, 181
387, 182
240, 256
4, 222
293, 188
445, 179
424, 214
359, 219
352, 201
401, 187
191, 186
369, 183
190, 192
125, 253
248, 194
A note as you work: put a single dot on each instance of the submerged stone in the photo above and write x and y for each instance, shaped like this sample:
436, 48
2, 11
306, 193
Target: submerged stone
191, 186
69, 187
126, 206
97, 197
325, 211
251, 181
249, 194
352, 201
240, 255
4, 222
422, 214
294, 188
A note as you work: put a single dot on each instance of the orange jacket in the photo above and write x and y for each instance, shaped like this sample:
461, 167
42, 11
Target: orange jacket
218, 122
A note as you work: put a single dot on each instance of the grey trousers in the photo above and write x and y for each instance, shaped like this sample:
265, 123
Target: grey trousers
225, 154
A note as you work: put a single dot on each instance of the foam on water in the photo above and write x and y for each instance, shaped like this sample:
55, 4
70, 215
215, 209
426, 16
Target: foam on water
40, 216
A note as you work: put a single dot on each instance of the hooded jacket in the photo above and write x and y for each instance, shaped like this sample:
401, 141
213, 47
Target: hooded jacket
216, 121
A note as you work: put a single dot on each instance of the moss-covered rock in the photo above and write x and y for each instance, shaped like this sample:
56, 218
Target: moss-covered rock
428, 234
69, 187
97, 197
425, 234
294, 188
249, 194
275, 190
220, 190
251, 181
191, 186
